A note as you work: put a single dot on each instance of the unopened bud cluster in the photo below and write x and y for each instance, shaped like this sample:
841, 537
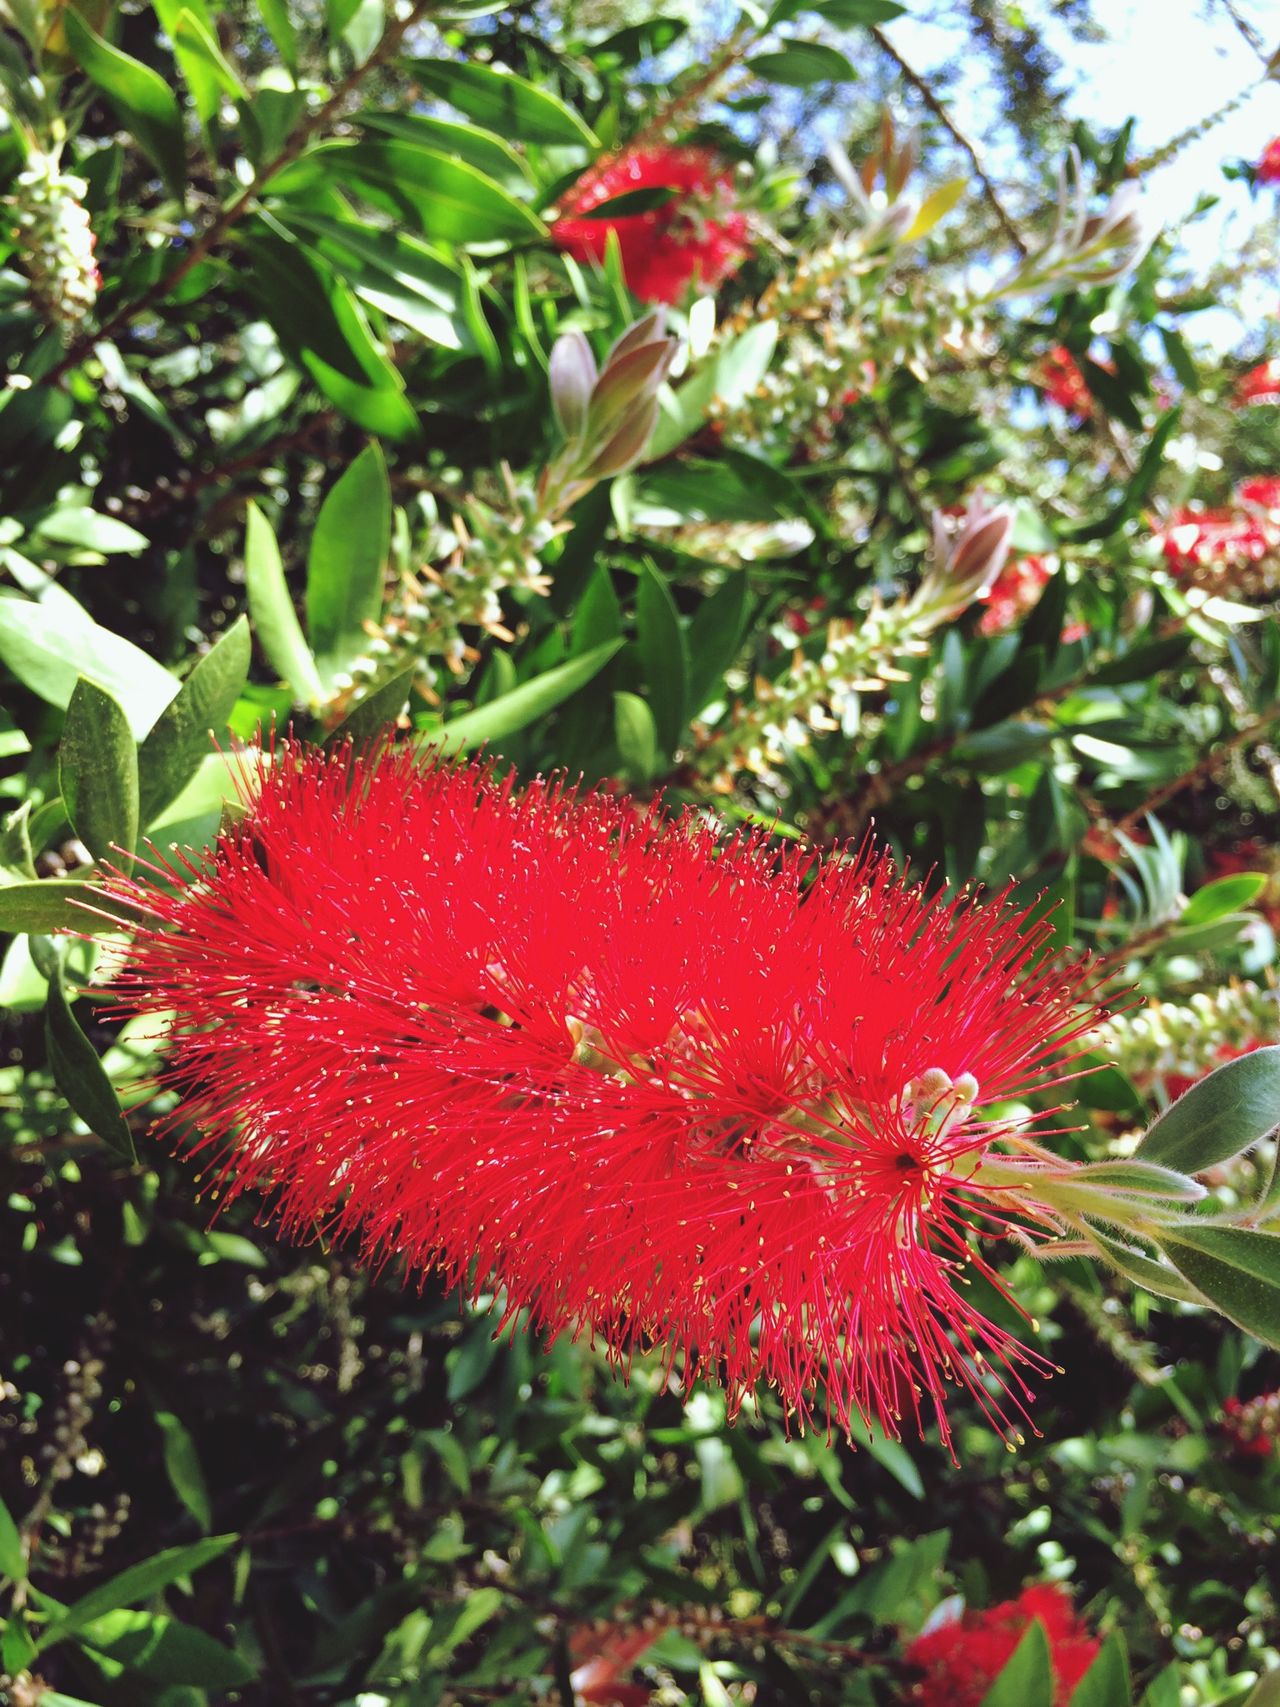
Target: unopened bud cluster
849, 309
469, 567
822, 691
55, 240
606, 416
1173, 1044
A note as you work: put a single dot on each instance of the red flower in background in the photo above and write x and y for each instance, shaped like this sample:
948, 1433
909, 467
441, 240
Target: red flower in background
662, 1086
1177, 1084
1060, 378
1268, 168
1014, 592
1261, 492
1193, 539
1252, 1425
1260, 385
963, 1658
696, 238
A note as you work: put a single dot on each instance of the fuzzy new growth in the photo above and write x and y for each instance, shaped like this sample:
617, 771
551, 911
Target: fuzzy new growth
660, 1086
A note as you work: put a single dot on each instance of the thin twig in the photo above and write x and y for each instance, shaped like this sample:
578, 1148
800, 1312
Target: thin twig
1204, 768
236, 209
945, 119
1246, 29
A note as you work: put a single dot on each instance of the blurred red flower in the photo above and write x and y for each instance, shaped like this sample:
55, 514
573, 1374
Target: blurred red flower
1014, 592
962, 1659
1260, 385
1261, 492
1060, 378
660, 1085
1192, 539
1268, 168
697, 237
1252, 1425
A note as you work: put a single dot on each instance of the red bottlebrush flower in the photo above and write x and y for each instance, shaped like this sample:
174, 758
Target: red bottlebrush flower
660, 1086
962, 1659
1060, 378
1252, 1425
696, 238
1267, 170
1261, 492
1260, 385
1193, 539
1013, 593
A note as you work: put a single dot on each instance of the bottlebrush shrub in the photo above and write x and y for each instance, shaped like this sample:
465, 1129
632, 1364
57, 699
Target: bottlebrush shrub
662, 1087
696, 237
1268, 168
962, 1658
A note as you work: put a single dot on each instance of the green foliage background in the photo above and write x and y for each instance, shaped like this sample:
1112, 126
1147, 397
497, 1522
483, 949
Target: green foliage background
290, 465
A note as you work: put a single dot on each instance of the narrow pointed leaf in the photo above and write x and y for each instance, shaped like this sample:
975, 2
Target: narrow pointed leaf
347, 562
275, 622
171, 754
98, 772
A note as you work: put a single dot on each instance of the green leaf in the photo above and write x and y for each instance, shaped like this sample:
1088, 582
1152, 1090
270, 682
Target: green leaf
16, 862
376, 712
443, 198
280, 27
1215, 900
172, 753
139, 1582
98, 774
715, 637
636, 735
17, 1648
81, 1077
514, 711
55, 904
801, 64
1107, 1682
392, 272
1027, 1679
13, 1560
86, 530
319, 320
844, 13
1267, 1691
143, 101
501, 102
155, 1646
479, 148
347, 563
182, 1465
1142, 1270
208, 74
1139, 488
664, 656
1236, 1268
1223, 1116
737, 370
275, 622
51, 642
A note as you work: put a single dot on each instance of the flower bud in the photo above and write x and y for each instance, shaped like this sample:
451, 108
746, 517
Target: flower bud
572, 374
